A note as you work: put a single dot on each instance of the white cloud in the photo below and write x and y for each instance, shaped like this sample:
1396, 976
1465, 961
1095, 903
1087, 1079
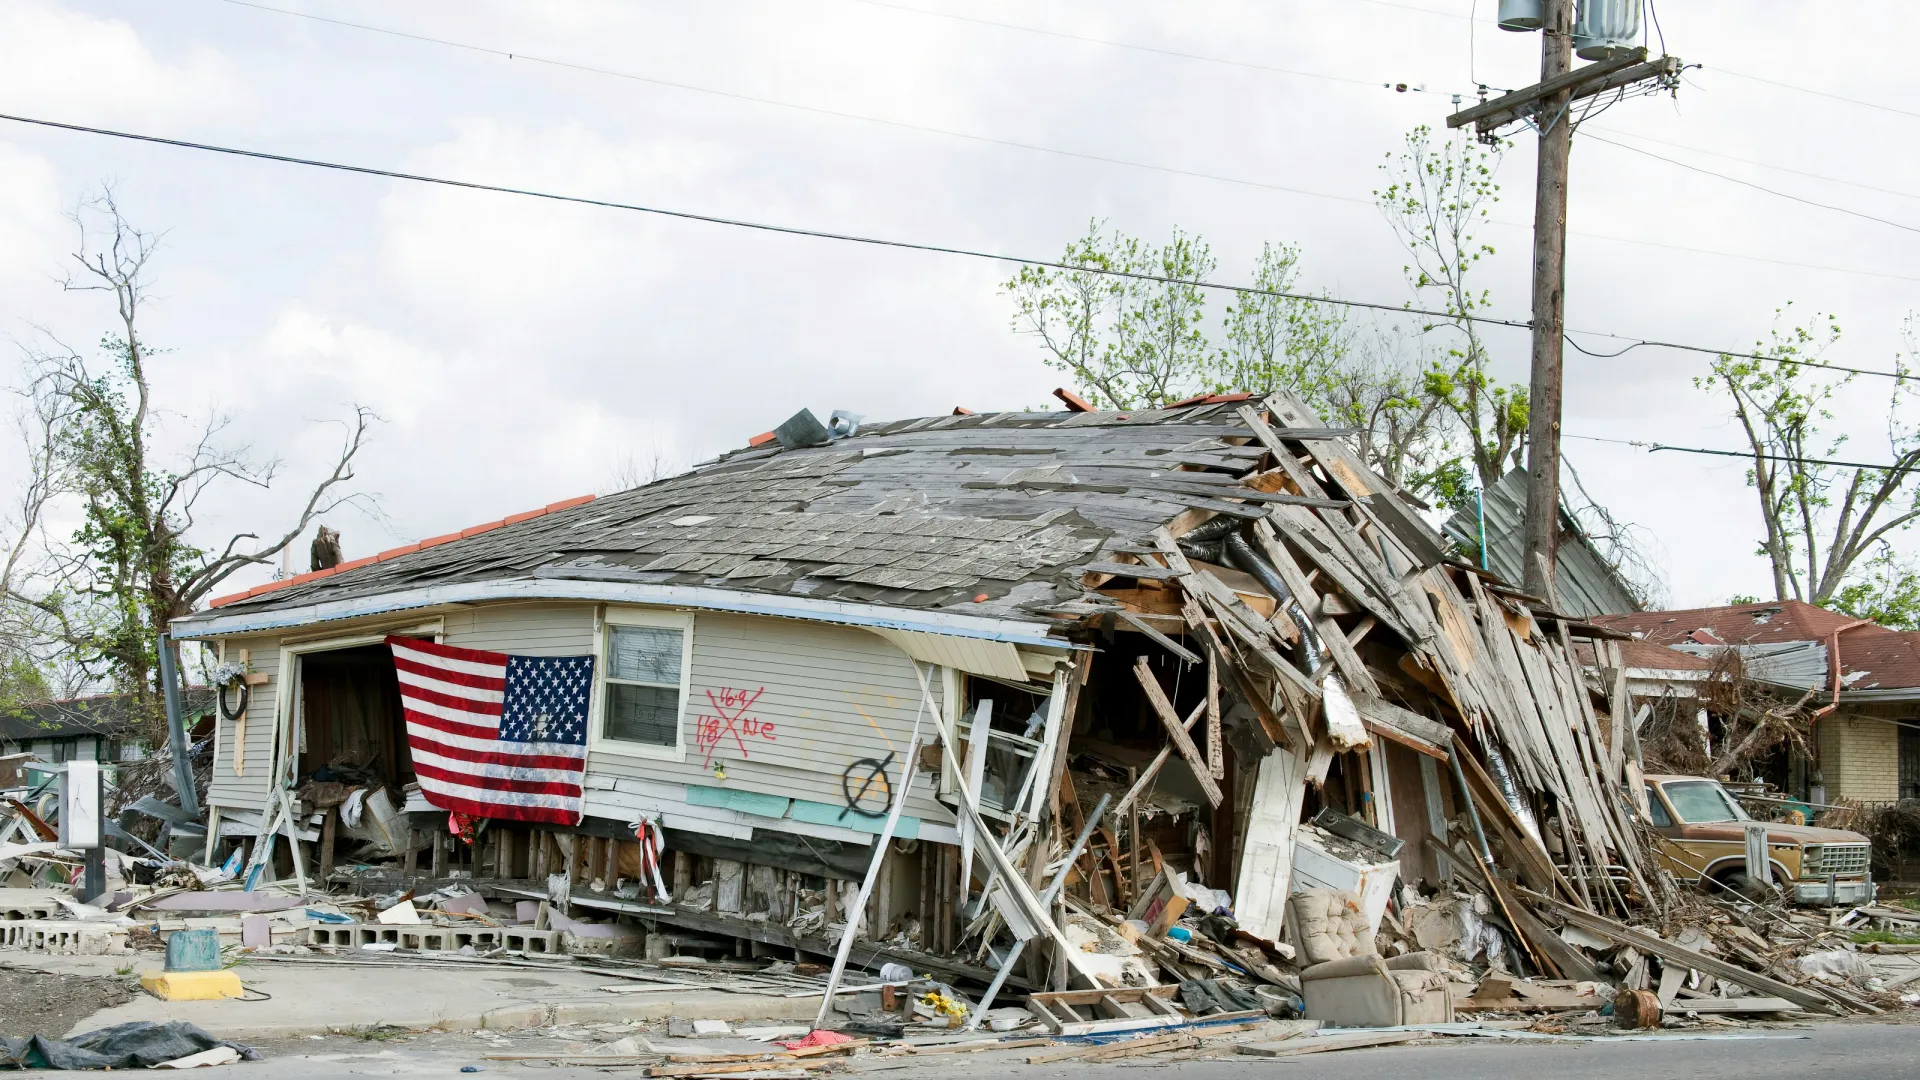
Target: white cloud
70, 65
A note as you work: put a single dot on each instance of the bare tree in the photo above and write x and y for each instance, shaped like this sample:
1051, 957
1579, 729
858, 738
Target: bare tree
651, 463
108, 590
1823, 522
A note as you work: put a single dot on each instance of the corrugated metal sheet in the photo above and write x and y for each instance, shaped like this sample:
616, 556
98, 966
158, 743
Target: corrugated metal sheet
1587, 586
1798, 664
997, 658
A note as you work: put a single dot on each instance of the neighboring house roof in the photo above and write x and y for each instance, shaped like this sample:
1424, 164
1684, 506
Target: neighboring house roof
992, 514
1645, 655
1741, 624
1585, 584
1787, 642
110, 715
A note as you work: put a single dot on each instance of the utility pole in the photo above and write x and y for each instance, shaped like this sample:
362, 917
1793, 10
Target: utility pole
1555, 123
1548, 104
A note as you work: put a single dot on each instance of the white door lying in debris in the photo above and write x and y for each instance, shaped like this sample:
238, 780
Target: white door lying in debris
1266, 856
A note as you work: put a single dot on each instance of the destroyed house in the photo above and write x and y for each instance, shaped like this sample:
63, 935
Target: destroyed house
1204, 639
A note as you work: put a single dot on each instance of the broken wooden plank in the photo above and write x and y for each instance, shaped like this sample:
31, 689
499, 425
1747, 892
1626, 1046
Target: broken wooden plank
1146, 1044
1143, 571
1332, 638
1216, 754
1667, 950
1724, 1006
1159, 638
1152, 770
1315, 1044
1171, 721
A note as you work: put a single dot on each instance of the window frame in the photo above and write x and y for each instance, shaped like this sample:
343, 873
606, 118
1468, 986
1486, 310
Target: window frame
610, 619
1726, 799
1657, 809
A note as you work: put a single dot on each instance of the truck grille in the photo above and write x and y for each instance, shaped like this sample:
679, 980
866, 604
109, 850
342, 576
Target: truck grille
1842, 860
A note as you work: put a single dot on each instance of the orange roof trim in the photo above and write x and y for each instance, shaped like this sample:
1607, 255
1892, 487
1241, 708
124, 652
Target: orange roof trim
394, 553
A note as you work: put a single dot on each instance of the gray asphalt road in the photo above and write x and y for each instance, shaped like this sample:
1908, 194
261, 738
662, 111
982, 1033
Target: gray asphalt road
1840, 1051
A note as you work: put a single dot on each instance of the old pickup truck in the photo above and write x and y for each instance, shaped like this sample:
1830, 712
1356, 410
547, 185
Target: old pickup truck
1703, 839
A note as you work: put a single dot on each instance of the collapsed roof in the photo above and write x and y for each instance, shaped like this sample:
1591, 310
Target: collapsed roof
990, 514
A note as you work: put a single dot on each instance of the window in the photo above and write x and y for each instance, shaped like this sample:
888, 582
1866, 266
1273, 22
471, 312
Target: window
645, 678
1657, 810
1703, 802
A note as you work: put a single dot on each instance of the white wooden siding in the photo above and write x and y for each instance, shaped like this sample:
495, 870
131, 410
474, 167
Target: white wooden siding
534, 629
249, 792
829, 696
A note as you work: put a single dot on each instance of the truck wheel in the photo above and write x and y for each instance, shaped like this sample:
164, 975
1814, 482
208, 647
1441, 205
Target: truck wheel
1739, 882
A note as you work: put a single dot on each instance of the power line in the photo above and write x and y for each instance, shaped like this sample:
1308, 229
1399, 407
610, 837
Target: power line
713, 219
993, 141
1760, 164
1654, 447
590, 69
1130, 45
907, 245
1819, 93
1790, 361
1751, 184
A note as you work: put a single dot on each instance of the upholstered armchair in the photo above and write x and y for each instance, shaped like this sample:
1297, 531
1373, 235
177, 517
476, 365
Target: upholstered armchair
1346, 983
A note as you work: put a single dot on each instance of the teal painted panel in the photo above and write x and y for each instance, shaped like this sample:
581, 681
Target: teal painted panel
193, 950
747, 802
819, 813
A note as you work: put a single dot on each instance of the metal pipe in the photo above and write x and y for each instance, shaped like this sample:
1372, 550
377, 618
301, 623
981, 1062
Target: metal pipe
1473, 812
177, 729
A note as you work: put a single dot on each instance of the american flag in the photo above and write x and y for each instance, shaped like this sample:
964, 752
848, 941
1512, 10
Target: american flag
494, 735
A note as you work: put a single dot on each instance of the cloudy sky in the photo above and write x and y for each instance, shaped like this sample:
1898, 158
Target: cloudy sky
523, 351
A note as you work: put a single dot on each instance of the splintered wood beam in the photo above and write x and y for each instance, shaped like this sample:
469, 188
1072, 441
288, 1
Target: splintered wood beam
1177, 732
1152, 770
1216, 754
1159, 638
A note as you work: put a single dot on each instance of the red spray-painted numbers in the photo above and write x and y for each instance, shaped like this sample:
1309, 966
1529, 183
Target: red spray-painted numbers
729, 718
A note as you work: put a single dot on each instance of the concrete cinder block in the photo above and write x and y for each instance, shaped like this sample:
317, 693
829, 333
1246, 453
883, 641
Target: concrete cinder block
62, 937
425, 937
531, 941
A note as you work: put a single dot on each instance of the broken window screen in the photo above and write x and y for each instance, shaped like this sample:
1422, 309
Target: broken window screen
1703, 802
643, 685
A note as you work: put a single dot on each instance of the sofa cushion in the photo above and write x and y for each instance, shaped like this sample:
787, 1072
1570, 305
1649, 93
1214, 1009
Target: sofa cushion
1331, 925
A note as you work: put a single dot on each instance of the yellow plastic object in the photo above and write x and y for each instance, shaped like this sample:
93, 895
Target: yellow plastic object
192, 985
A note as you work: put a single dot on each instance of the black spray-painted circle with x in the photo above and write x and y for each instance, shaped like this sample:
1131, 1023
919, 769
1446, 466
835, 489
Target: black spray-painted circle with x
868, 791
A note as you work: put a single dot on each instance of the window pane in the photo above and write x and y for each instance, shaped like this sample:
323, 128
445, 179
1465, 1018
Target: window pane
645, 654
1703, 802
1657, 811
643, 714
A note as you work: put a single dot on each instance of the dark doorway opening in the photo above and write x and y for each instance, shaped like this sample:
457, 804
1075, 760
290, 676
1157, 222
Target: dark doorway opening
352, 729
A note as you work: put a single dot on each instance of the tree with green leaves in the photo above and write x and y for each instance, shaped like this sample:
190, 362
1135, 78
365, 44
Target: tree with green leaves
1132, 344
1439, 192
105, 593
1827, 527
1129, 342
